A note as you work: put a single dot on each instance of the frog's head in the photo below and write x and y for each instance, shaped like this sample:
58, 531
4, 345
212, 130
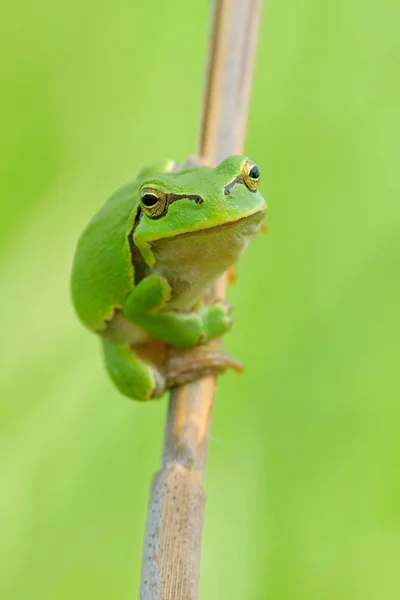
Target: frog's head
198, 199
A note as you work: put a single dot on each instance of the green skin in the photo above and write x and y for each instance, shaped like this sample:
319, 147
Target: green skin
137, 279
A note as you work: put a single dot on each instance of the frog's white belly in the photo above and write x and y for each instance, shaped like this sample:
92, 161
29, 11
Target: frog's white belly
192, 261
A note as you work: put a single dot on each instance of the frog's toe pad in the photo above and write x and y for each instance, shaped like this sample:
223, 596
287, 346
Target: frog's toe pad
217, 319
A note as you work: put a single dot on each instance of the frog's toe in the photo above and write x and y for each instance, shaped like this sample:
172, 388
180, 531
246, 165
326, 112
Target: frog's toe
231, 274
217, 319
188, 364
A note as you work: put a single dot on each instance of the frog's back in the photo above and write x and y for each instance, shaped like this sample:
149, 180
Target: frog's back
103, 273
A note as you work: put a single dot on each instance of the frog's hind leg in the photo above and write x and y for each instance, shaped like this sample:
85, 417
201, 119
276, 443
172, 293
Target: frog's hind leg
134, 377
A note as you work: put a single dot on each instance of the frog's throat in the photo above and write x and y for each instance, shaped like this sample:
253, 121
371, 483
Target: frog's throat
147, 248
191, 261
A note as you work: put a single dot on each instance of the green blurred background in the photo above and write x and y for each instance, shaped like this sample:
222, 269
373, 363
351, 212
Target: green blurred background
303, 477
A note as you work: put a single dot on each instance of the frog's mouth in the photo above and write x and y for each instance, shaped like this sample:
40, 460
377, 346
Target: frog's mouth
248, 225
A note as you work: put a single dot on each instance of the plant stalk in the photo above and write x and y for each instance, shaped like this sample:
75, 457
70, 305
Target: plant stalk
171, 561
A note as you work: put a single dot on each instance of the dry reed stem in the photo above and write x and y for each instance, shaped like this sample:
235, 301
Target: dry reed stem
171, 559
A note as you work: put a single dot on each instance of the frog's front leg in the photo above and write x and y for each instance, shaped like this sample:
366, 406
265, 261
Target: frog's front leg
146, 306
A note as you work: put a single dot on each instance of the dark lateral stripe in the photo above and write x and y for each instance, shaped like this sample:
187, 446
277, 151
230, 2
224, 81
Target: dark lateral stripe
227, 188
173, 197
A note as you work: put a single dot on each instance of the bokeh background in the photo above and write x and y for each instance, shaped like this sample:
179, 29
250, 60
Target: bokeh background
303, 476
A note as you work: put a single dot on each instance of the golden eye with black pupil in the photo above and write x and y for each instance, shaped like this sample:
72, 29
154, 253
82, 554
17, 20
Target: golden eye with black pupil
149, 200
154, 202
251, 175
254, 172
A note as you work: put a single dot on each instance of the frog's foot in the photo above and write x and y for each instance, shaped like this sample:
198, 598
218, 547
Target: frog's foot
188, 364
217, 319
136, 371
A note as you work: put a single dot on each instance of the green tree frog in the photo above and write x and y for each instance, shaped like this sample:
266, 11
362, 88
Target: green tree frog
144, 261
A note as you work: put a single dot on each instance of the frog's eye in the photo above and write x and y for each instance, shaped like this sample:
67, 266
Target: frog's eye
154, 202
251, 175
